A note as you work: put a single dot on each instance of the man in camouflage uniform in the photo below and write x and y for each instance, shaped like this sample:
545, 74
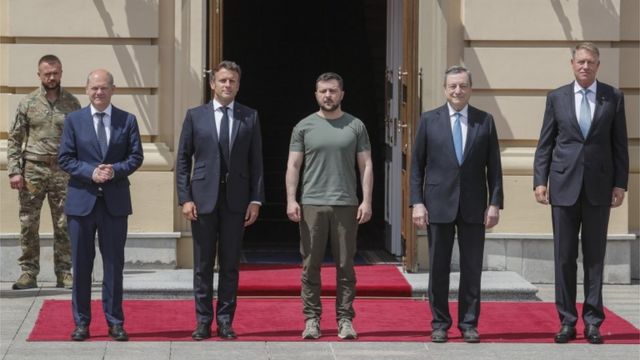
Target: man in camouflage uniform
32, 152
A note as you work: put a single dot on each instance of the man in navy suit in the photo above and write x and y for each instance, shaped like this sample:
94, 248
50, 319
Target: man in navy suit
100, 148
456, 157
581, 168
220, 187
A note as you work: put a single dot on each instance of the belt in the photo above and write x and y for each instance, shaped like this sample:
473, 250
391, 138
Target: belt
100, 193
47, 159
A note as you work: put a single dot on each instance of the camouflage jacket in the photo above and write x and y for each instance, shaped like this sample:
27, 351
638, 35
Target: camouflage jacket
37, 127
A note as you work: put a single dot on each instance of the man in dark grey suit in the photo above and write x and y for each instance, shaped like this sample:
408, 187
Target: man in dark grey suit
581, 168
220, 187
100, 148
456, 157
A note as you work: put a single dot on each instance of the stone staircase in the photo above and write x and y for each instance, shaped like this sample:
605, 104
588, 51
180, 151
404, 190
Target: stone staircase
496, 285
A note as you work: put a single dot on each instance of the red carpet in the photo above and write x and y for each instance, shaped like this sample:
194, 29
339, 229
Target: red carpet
284, 280
281, 320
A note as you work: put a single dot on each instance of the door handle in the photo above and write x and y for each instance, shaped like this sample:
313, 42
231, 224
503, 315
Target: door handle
400, 126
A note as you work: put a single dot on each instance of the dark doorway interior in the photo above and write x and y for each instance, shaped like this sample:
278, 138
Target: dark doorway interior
282, 46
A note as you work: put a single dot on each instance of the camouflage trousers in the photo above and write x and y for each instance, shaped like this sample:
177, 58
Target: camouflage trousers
43, 180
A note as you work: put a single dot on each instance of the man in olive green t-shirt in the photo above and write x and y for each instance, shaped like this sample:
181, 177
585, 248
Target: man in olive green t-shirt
329, 142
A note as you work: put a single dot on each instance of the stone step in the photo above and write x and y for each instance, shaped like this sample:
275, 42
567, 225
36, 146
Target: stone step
529, 255
496, 285
143, 251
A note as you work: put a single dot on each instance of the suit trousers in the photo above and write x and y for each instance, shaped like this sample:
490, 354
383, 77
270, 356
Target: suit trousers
591, 222
320, 224
220, 231
471, 244
112, 236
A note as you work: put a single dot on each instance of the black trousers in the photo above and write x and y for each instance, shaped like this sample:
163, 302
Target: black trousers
471, 244
221, 231
591, 222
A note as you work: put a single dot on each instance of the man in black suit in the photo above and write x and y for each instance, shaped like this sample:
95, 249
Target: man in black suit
220, 188
100, 148
456, 156
581, 168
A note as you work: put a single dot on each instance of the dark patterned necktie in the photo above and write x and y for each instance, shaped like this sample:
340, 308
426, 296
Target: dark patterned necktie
102, 134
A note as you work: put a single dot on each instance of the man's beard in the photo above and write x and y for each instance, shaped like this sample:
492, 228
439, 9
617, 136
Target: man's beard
329, 107
48, 87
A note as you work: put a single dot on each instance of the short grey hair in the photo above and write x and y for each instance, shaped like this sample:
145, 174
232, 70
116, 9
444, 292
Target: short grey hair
109, 77
588, 46
457, 69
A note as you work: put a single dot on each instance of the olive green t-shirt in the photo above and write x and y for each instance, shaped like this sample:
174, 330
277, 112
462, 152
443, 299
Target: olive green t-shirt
330, 148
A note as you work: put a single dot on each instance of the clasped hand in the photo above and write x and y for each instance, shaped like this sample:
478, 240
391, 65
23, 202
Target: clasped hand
103, 173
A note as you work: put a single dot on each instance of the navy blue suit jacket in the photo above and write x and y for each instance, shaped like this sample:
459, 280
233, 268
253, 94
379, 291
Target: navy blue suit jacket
444, 186
565, 159
198, 160
80, 154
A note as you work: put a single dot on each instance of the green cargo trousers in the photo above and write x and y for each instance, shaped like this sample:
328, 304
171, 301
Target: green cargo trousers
339, 225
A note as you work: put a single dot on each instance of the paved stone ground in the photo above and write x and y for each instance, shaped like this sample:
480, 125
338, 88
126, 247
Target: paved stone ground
19, 309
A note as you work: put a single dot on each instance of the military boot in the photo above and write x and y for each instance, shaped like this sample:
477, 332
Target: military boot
64, 280
25, 281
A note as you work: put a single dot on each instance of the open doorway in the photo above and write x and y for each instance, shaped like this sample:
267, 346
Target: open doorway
282, 46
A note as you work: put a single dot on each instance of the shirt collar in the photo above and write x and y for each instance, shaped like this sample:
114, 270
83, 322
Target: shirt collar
217, 105
106, 111
43, 91
463, 112
592, 88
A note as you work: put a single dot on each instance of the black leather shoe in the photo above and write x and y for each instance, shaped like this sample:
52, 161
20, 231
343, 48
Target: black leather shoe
80, 333
592, 334
203, 331
225, 331
439, 336
471, 335
566, 333
117, 333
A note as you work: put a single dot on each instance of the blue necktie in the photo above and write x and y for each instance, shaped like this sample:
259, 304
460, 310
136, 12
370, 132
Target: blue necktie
584, 120
102, 134
224, 137
457, 138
